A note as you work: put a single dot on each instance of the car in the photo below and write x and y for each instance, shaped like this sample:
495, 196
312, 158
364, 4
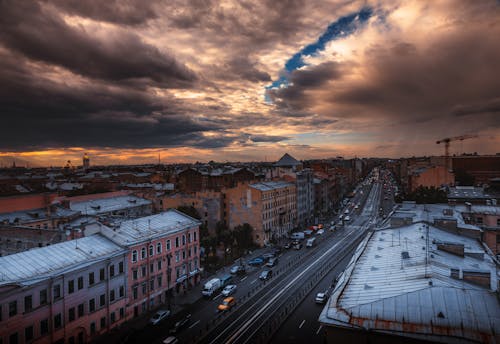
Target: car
257, 261
181, 324
229, 289
226, 304
319, 232
159, 316
268, 256
347, 218
170, 340
238, 270
288, 245
265, 275
297, 246
276, 250
272, 262
321, 298
346, 211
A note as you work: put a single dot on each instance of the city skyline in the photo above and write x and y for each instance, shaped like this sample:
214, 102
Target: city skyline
228, 81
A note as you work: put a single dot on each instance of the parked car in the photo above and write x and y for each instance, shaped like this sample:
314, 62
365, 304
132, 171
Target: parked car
288, 245
227, 304
170, 340
238, 270
321, 298
159, 316
265, 275
257, 261
181, 324
272, 262
297, 246
319, 232
229, 289
268, 256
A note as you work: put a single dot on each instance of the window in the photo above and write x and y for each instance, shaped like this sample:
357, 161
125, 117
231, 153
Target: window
71, 286
159, 281
91, 305
102, 300
111, 271
479, 220
183, 239
498, 238
44, 326
120, 267
57, 320
28, 303
102, 274
194, 235
92, 328
28, 333
158, 248
134, 274
111, 296
134, 256
189, 237
13, 338
91, 278
144, 286
71, 314
12, 308
152, 284
121, 291
122, 312
177, 257
151, 267
143, 271
43, 297
112, 317
80, 282
151, 250
81, 310
183, 255
167, 246
143, 253
177, 242
134, 292
103, 322
159, 265
498, 222
57, 291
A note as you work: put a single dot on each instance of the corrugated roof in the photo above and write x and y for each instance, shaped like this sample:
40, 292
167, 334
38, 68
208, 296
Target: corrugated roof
267, 186
28, 267
150, 227
382, 290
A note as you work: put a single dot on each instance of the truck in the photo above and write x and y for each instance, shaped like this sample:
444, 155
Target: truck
225, 280
211, 287
297, 236
310, 242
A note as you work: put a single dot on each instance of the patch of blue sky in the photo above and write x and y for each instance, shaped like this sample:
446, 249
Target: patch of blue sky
341, 28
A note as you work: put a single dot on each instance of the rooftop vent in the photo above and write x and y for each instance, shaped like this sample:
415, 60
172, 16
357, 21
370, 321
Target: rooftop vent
440, 315
405, 255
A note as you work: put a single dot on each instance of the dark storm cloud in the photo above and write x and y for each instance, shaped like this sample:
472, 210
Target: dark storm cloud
42, 35
129, 12
268, 138
491, 106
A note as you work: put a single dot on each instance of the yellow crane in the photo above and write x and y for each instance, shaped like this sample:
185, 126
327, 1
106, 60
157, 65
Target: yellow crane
447, 141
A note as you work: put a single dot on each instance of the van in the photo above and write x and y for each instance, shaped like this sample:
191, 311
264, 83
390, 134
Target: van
225, 280
297, 236
310, 242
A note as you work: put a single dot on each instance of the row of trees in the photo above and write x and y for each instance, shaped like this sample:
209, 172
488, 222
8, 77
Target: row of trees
424, 194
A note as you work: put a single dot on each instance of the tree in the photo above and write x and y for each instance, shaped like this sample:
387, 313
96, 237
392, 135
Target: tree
243, 237
190, 211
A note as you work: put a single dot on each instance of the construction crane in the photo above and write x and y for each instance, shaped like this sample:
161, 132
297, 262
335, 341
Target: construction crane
447, 141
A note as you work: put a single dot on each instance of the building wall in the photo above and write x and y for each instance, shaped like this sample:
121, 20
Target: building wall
305, 197
105, 316
25, 202
169, 265
435, 176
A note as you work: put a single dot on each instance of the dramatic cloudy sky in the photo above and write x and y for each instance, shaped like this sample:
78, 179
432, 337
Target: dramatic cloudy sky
126, 80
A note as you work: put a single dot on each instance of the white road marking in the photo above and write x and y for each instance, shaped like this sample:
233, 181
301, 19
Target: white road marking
244, 278
302, 323
319, 329
253, 281
196, 323
217, 296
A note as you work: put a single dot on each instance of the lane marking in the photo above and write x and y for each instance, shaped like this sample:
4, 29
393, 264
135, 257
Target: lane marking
253, 281
319, 329
196, 323
217, 296
302, 323
244, 278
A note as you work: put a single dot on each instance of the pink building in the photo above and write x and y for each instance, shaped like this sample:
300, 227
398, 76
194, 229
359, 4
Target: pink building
64, 293
163, 257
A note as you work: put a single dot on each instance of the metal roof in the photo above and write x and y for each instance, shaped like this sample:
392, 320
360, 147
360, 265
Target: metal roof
150, 227
106, 205
268, 186
416, 296
31, 266
287, 160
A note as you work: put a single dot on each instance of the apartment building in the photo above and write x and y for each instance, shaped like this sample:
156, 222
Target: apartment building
269, 207
163, 257
64, 293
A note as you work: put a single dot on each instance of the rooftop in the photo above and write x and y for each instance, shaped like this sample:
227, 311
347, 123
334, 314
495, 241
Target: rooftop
398, 280
31, 266
150, 227
107, 205
267, 186
467, 192
287, 161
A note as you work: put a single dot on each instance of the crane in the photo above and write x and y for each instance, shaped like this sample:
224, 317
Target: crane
447, 141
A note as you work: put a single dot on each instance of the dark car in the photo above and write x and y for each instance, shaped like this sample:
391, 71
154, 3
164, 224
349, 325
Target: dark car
268, 256
265, 275
288, 245
276, 250
272, 262
257, 261
181, 324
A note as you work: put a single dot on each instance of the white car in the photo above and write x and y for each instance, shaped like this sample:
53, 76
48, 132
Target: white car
321, 298
320, 231
159, 316
229, 289
347, 218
